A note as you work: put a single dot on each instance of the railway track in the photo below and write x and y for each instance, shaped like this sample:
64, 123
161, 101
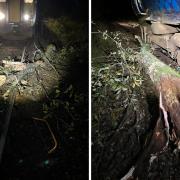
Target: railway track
13, 48
24, 53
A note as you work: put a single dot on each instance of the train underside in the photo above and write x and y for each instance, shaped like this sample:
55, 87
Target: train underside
162, 26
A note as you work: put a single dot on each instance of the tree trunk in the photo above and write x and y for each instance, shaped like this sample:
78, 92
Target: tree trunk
166, 134
167, 82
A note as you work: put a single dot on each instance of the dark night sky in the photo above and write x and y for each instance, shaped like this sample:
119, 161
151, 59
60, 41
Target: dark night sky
56, 8
112, 9
101, 9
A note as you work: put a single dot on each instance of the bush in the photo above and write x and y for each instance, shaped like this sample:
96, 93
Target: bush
68, 31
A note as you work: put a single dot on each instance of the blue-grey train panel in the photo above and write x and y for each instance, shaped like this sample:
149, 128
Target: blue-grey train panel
166, 11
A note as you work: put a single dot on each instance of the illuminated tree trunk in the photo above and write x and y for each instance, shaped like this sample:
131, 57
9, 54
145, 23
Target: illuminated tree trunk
155, 68
167, 82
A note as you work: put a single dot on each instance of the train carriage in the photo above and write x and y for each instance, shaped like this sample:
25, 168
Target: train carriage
17, 18
165, 11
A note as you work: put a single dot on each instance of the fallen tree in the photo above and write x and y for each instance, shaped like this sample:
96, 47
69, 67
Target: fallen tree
17, 76
166, 134
135, 120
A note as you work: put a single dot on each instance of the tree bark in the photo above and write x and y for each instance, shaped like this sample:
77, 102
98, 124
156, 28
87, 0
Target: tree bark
167, 81
167, 130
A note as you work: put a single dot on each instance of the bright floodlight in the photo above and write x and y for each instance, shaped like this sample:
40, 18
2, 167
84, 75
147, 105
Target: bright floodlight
28, 1
26, 17
2, 16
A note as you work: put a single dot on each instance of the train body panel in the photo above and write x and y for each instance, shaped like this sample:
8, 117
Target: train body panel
17, 18
165, 11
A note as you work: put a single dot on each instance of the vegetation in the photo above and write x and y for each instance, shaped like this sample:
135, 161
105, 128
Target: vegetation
52, 91
68, 104
119, 108
116, 74
133, 131
69, 58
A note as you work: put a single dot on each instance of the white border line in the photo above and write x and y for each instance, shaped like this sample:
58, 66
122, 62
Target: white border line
90, 90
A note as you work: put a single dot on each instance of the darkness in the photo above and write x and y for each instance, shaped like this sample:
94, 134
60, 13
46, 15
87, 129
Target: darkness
77, 9
106, 10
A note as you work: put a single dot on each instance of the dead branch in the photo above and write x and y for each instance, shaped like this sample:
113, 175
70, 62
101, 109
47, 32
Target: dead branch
41, 83
23, 55
46, 60
14, 66
52, 134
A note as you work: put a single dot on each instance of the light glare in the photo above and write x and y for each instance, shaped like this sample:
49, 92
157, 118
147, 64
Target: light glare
26, 17
2, 16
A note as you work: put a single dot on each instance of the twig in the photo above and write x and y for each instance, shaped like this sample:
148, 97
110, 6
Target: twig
47, 60
30, 68
40, 81
129, 174
23, 54
52, 134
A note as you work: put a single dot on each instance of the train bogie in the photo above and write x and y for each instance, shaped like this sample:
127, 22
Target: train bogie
164, 19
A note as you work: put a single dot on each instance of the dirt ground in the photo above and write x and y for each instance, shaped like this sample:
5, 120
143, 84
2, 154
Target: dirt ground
116, 148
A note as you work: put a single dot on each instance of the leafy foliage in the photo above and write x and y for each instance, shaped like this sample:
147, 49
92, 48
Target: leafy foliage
68, 103
67, 30
116, 79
